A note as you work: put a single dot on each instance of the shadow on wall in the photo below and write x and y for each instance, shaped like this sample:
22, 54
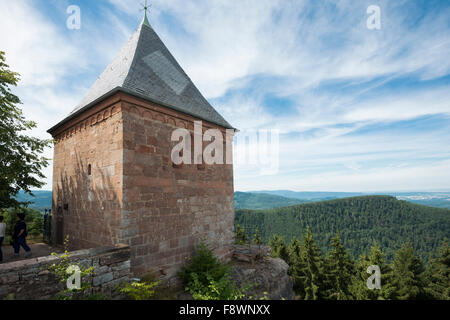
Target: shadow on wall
86, 202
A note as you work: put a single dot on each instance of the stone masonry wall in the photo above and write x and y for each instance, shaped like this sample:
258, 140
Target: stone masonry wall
134, 195
167, 209
87, 205
31, 280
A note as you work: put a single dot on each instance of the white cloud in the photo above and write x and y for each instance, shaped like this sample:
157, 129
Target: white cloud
34, 48
50, 60
224, 45
227, 41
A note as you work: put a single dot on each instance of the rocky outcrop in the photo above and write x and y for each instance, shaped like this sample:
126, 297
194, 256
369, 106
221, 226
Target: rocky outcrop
267, 276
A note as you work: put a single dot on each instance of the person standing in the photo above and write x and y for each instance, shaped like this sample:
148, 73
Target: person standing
20, 236
2, 236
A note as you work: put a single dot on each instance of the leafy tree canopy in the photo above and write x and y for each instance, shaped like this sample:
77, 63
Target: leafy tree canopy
21, 160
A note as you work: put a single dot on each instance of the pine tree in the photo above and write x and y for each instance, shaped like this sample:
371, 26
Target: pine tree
339, 270
279, 248
359, 288
312, 270
256, 238
295, 249
297, 266
407, 275
438, 275
240, 235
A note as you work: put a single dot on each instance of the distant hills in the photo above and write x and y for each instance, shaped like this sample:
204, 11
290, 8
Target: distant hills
432, 199
359, 220
310, 196
279, 198
42, 199
247, 200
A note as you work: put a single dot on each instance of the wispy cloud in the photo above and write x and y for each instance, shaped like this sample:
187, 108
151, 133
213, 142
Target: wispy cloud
357, 109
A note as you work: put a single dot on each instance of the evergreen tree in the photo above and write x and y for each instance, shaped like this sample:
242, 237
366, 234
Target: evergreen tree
239, 235
339, 270
359, 288
438, 275
279, 248
407, 275
360, 221
312, 259
297, 266
256, 238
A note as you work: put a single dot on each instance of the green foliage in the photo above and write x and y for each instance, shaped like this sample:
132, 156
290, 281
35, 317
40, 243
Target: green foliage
361, 221
358, 286
222, 289
296, 251
140, 290
204, 265
240, 237
10, 297
21, 162
279, 248
408, 275
65, 268
338, 277
33, 219
312, 268
305, 264
164, 290
438, 275
149, 287
206, 278
339, 269
256, 238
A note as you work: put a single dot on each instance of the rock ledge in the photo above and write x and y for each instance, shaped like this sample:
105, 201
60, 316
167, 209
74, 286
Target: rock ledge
253, 265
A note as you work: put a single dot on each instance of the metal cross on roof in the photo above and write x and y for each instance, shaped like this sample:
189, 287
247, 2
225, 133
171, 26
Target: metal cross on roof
145, 7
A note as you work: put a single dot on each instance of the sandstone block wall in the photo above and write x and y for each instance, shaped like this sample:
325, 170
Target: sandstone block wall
31, 280
134, 194
167, 209
87, 178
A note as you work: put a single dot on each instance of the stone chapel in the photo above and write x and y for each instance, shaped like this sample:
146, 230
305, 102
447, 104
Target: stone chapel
113, 177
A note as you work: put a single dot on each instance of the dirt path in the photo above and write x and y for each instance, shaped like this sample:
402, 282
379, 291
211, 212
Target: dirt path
38, 250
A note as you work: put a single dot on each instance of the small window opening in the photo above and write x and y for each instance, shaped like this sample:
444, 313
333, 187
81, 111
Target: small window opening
89, 169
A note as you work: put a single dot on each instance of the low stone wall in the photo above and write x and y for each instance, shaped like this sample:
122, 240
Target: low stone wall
31, 280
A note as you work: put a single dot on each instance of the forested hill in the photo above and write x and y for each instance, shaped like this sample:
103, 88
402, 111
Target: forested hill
360, 221
257, 201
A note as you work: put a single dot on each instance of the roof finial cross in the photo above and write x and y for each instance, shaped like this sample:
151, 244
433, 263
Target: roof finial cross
146, 7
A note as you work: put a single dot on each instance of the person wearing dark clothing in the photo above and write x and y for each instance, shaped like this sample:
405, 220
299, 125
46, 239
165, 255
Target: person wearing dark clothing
2, 236
20, 235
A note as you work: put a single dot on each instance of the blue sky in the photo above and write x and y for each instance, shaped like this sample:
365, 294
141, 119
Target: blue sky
357, 109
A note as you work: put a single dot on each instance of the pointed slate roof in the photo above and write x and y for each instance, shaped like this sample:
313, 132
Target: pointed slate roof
145, 68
